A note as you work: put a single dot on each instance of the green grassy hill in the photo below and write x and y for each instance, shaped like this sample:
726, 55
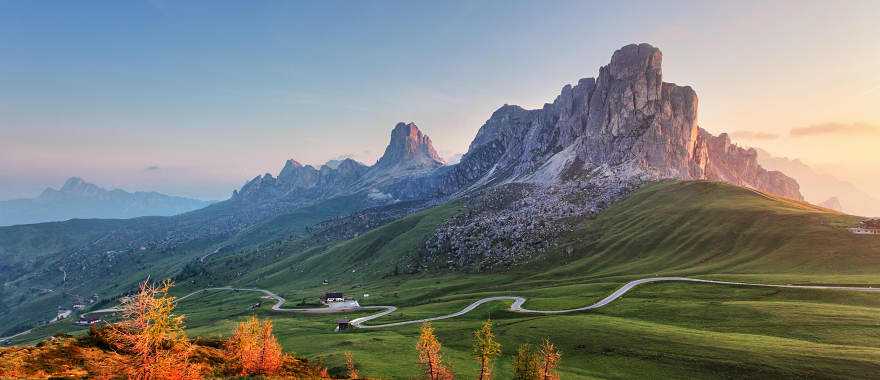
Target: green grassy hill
673, 227
664, 330
704, 229
712, 228
45, 266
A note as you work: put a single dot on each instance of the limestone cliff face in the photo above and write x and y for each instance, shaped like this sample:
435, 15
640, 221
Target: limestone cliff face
717, 159
625, 125
627, 121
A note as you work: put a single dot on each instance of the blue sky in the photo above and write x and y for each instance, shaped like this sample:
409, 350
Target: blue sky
209, 94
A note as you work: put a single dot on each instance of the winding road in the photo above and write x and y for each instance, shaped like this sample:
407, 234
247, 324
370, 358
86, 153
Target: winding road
518, 302
517, 305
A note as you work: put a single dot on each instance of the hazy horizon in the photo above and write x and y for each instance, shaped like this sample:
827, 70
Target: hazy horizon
193, 100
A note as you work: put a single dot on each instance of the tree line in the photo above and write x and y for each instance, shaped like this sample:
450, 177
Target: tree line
528, 364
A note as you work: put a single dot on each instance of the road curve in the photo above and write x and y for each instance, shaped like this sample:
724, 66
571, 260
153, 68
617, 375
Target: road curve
518, 301
516, 306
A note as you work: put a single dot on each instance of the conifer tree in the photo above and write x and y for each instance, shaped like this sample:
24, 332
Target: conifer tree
254, 349
526, 363
549, 360
153, 335
352, 369
485, 349
429, 354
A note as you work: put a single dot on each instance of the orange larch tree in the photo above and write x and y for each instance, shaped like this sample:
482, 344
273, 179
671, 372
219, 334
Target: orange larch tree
485, 349
254, 349
429, 354
153, 335
351, 367
550, 359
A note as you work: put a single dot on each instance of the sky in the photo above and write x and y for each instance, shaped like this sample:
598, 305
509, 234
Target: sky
196, 97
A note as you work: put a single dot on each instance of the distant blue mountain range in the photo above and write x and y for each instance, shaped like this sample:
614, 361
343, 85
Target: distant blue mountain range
78, 199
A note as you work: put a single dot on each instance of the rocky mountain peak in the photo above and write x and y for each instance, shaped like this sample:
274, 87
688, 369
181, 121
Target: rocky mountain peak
291, 164
409, 149
72, 183
832, 203
77, 184
349, 165
626, 123
633, 61
297, 173
625, 126
74, 186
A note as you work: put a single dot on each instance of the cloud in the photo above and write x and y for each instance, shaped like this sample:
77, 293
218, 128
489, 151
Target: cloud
836, 129
872, 89
151, 168
754, 135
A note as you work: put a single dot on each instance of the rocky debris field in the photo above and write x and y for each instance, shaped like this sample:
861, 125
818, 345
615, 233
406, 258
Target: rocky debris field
516, 223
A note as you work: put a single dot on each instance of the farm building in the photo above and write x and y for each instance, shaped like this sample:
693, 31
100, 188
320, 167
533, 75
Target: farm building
86, 320
343, 325
332, 297
867, 227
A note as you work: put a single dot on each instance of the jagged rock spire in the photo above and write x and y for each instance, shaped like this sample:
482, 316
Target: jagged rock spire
409, 148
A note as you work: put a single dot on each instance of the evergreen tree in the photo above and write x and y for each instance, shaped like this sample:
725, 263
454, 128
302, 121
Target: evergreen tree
153, 335
429, 354
485, 349
526, 363
550, 359
352, 368
254, 349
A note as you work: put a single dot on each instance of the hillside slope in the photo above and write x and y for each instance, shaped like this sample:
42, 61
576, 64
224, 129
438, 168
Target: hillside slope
698, 228
669, 227
712, 227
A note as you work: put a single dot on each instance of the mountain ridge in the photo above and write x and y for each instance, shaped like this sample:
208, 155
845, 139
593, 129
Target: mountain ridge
626, 124
77, 198
819, 187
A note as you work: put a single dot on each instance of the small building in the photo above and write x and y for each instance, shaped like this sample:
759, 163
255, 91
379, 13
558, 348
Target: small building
78, 306
343, 325
867, 227
332, 297
86, 320
62, 314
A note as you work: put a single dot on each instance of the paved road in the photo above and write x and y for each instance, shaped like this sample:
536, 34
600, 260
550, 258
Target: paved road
518, 302
5, 338
517, 305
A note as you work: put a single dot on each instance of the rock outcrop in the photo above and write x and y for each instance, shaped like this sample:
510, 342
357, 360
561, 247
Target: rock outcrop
627, 121
409, 150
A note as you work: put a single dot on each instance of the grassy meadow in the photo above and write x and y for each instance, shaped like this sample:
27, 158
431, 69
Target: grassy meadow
661, 330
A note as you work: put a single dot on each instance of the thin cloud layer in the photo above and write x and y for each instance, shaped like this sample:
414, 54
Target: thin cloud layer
754, 135
836, 129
